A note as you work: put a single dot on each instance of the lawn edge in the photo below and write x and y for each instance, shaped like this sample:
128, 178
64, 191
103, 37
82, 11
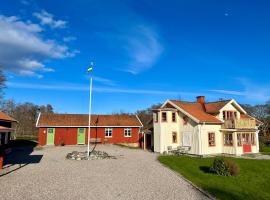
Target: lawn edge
205, 193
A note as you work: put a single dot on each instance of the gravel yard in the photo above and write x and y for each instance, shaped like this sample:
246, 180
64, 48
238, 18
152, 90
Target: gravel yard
134, 174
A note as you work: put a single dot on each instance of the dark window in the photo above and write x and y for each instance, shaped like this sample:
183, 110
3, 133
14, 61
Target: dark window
156, 117
164, 116
174, 137
174, 117
211, 139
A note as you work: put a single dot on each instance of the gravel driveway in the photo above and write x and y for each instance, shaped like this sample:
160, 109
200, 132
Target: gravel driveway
135, 174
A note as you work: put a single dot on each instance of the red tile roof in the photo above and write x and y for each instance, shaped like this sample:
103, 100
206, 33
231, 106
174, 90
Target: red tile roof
5, 117
214, 107
197, 111
54, 120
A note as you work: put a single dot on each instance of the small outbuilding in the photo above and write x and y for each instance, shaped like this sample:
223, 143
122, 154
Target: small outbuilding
5, 133
72, 129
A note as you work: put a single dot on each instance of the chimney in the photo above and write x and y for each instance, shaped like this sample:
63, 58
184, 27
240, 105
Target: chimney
200, 99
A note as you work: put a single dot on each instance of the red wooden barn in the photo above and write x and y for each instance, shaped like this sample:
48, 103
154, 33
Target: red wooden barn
72, 129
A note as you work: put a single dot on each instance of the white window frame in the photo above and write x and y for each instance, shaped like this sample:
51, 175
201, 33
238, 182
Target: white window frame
107, 131
126, 130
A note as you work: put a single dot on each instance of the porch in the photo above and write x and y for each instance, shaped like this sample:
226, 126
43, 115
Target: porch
240, 142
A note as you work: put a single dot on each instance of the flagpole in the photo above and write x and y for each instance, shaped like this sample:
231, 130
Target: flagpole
89, 119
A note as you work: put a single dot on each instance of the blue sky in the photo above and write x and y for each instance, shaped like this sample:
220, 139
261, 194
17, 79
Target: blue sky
144, 52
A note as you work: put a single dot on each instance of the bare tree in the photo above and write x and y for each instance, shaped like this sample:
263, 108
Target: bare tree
260, 112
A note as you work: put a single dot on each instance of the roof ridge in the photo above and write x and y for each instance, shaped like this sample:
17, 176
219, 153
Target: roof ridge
183, 101
219, 101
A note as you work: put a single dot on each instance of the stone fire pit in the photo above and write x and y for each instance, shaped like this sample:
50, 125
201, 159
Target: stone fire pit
94, 155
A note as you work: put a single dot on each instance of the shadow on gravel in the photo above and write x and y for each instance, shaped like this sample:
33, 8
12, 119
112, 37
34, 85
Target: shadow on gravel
20, 156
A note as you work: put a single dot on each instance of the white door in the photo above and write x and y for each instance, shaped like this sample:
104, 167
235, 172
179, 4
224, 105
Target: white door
187, 139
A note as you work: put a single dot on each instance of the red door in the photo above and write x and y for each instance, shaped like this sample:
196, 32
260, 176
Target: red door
247, 148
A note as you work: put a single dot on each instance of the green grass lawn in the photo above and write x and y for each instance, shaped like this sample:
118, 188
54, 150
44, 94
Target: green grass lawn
265, 150
253, 182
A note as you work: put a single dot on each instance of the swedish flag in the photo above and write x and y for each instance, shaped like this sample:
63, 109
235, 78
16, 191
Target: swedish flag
91, 67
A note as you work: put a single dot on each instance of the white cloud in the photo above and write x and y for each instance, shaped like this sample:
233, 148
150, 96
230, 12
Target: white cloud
25, 2
136, 39
251, 90
79, 87
48, 19
23, 50
144, 49
69, 39
104, 81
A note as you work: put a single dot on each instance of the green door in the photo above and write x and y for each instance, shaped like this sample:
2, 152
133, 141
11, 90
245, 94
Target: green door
81, 136
50, 136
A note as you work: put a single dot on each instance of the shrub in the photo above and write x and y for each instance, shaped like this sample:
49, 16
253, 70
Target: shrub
218, 167
233, 167
224, 167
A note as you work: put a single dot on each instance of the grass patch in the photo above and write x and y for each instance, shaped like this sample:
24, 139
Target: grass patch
265, 150
251, 183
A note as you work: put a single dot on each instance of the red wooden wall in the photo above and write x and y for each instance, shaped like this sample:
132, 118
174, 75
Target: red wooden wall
68, 136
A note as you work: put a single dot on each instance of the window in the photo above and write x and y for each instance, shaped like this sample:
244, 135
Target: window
156, 117
81, 130
127, 132
173, 117
50, 130
228, 139
211, 139
174, 137
224, 115
108, 132
227, 115
248, 138
164, 116
239, 141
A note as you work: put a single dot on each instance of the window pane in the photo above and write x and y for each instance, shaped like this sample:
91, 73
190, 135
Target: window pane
174, 137
164, 116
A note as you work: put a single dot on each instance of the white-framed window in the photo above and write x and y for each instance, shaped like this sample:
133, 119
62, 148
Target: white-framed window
228, 139
127, 132
108, 132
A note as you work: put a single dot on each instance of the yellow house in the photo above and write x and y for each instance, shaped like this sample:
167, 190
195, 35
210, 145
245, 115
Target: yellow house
204, 128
